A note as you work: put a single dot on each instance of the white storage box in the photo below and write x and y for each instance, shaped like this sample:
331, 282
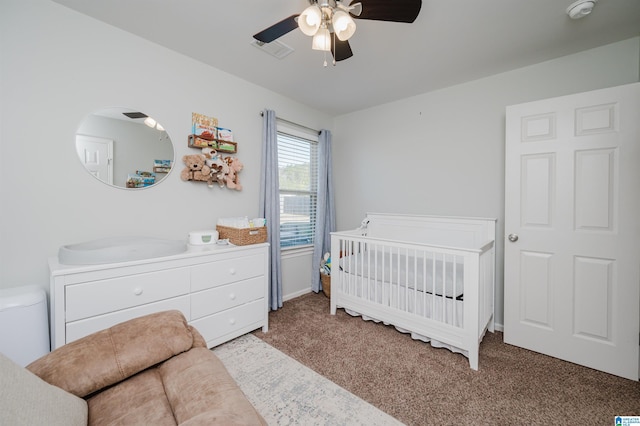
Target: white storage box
199, 238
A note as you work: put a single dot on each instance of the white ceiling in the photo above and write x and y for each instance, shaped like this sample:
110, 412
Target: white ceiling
451, 41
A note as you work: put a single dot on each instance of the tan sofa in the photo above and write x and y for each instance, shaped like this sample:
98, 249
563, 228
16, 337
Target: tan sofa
153, 370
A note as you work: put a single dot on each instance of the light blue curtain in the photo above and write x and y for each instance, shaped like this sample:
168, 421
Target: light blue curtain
326, 213
270, 204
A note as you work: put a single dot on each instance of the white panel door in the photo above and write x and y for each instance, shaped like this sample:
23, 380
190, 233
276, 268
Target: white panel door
572, 221
97, 156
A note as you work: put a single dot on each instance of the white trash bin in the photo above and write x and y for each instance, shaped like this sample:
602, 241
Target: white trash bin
24, 324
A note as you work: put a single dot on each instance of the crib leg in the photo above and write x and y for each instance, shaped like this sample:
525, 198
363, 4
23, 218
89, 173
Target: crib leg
333, 307
474, 355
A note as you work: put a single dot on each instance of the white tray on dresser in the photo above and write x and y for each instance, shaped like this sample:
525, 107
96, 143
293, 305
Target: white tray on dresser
221, 290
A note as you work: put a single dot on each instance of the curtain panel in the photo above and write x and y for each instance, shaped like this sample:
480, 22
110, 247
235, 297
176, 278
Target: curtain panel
325, 211
270, 204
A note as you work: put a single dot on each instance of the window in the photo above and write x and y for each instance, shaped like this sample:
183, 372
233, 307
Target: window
298, 180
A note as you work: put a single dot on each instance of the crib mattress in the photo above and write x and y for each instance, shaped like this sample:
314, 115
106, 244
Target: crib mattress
423, 271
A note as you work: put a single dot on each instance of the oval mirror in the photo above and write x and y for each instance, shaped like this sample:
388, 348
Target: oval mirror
124, 148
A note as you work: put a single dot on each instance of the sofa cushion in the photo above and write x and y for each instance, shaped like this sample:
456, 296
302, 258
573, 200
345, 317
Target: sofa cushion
25, 399
202, 392
139, 400
112, 355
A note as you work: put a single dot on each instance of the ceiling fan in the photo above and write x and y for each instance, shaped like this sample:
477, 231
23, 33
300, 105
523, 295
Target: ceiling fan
331, 24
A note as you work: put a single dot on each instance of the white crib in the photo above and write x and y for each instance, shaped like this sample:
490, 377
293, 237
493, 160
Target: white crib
429, 276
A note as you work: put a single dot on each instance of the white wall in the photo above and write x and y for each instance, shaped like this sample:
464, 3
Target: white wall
57, 66
442, 152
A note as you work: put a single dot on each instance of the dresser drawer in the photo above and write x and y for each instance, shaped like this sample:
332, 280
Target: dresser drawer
231, 321
213, 274
227, 296
102, 296
81, 328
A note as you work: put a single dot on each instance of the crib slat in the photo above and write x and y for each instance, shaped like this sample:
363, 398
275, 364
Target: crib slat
352, 266
384, 286
406, 280
453, 296
433, 285
339, 274
444, 280
416, 294
424, 283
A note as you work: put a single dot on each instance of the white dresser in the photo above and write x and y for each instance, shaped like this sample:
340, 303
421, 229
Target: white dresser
221, 290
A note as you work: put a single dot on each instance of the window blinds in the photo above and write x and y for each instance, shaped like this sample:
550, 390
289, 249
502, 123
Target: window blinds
298, 180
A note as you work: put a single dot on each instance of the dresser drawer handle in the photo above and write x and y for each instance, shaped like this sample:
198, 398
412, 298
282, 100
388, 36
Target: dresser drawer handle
232, 321
232, 296
232, 271
137, 291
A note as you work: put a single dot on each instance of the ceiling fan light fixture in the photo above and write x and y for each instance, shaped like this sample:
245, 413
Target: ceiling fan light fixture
322, 40
331, 22
343, 25
310, 20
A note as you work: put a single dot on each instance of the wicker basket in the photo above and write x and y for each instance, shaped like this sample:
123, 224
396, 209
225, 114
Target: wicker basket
243, 236
326, 284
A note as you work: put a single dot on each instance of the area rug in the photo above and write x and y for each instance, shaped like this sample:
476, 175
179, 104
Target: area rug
286, 392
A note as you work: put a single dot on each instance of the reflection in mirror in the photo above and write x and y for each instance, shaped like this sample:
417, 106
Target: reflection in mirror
124, 148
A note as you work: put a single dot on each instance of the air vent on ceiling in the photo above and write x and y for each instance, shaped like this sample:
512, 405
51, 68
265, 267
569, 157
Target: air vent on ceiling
134, 115
275, 48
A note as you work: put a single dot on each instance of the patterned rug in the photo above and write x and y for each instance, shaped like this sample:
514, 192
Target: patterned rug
286, 392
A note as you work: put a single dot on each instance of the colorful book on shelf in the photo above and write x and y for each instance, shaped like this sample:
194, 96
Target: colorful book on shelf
224, 134
204, 127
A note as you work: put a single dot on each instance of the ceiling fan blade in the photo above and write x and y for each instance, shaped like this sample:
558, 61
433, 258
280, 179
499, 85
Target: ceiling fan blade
277, 30
388, 10
340, 49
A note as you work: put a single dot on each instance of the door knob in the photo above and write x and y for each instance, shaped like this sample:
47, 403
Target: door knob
513, 237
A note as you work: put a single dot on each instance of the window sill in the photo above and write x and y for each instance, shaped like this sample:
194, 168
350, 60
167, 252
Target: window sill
296, 251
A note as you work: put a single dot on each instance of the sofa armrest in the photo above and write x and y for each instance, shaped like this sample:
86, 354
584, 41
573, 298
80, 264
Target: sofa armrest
109, 356
198, 340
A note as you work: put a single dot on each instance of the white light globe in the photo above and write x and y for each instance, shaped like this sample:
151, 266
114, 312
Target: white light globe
310, 20
343, 25
322, 40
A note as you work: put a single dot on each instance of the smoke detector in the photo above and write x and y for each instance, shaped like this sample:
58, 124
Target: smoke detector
580, 8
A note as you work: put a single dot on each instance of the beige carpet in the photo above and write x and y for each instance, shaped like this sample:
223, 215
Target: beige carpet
420, 385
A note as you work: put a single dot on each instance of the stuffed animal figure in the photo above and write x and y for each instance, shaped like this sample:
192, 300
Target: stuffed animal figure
231, 179
209, 153
196, 168
219, 170
217, 165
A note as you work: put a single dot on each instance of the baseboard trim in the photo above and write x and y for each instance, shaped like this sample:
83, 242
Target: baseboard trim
290, 296
498, 327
